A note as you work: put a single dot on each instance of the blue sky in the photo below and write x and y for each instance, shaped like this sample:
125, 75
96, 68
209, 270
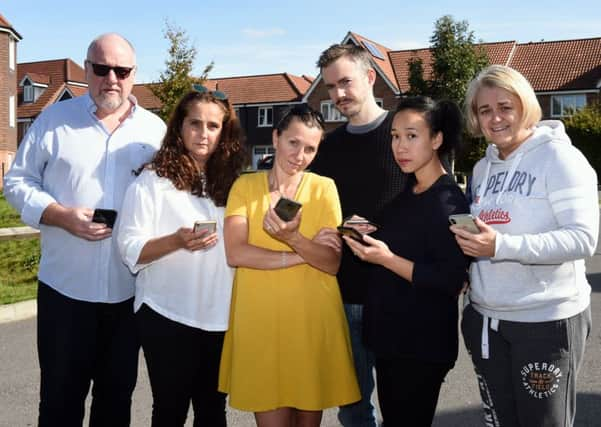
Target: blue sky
261, 37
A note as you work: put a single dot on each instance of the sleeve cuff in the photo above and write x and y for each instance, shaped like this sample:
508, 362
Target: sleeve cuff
32, 211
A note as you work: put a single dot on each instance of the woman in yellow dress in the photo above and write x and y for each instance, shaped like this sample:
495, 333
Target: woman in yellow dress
286, 354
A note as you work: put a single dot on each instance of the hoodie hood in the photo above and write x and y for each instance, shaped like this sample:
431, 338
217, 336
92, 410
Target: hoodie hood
545, 132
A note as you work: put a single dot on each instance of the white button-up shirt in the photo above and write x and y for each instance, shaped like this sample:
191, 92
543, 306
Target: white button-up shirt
189, 287
69, 157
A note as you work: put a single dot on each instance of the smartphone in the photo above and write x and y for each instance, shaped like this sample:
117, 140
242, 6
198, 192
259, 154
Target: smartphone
105, 216
465, 221
352, 233
209, 225
286, 208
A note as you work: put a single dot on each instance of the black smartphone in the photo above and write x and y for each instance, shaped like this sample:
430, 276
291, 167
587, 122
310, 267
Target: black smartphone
105, 216
352, 233
286, 208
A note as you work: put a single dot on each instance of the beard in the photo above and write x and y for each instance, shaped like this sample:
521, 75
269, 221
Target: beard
108, 103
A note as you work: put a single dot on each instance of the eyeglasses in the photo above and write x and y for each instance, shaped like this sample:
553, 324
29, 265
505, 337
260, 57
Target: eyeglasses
217, 94
102, 70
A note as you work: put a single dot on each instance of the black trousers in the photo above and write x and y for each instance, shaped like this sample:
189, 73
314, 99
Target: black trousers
183, 366
81, 342
408, 390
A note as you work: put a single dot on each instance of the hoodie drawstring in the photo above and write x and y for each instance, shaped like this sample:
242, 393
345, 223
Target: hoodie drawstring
494, 325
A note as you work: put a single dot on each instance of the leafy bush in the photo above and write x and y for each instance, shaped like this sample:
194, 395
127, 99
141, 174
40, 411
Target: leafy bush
584, 128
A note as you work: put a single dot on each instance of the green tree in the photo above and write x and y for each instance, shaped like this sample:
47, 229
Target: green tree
584, 128
176, 79
456, 59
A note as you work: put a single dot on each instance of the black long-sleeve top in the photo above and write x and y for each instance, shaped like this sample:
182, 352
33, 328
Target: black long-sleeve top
367, 177
418, 319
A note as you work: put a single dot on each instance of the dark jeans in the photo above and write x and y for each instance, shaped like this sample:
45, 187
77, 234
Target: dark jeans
529, 379
81, 342
408, 390
363, 412
183, 366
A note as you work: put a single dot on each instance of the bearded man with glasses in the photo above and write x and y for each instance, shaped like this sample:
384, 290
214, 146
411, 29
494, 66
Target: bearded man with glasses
76, 160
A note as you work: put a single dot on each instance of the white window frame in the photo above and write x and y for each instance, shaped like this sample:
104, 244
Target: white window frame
11, 111
11, 53
331, 113
263, 119
572, 101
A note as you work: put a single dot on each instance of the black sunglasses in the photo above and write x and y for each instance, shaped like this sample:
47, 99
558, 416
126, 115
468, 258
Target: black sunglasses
102, 70
217, 94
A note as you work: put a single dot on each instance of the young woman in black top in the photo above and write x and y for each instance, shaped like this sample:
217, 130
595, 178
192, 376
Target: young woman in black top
410, 317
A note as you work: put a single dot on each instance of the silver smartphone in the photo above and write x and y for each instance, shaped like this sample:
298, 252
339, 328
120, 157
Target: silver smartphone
465, 221
209, 225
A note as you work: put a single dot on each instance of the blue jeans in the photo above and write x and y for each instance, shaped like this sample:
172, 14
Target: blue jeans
362, 413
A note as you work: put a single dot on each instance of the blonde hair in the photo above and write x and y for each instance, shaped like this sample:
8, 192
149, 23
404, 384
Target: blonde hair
500, 76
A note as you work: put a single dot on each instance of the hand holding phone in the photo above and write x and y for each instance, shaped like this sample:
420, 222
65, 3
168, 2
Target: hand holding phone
105, 216
286, 209
465, 221
352, 233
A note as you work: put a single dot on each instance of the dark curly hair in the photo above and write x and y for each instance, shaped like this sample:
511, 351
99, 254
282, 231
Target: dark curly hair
173, 162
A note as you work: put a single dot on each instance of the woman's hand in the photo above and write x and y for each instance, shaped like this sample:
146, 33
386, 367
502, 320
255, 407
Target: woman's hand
376, 252
476, 245
281, 230
329, 237
186, 238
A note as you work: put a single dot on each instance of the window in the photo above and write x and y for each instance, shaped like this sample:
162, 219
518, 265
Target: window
237, 111
66, 95
330, 113
260, 153
11, 53
564, 105
11, 111
28, 92
265, 116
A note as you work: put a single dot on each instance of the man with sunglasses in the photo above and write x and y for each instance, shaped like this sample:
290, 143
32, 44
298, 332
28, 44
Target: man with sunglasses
357, 155
79, 156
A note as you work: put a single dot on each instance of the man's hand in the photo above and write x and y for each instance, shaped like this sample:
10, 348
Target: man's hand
77, 221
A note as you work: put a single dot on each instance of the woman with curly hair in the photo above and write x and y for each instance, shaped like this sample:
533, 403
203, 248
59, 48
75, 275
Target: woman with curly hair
183, 283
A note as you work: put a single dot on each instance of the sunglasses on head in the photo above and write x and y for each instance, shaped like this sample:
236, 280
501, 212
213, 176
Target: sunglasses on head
304, 110
102, 70
217, 94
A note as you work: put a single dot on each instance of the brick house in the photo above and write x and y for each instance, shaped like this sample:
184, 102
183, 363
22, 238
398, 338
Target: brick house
565, 74
8, 94
43, 83
259, 102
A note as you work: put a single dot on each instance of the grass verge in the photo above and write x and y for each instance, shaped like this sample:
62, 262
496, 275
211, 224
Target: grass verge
18, 262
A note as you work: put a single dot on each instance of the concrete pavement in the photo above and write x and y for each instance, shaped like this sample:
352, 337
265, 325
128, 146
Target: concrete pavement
459, 403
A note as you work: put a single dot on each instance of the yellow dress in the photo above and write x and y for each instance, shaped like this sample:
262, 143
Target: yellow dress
287, 344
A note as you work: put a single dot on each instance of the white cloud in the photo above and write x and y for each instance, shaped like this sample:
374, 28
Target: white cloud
255, 33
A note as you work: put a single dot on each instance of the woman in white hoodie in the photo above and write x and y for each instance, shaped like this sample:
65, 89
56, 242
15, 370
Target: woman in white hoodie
535, 202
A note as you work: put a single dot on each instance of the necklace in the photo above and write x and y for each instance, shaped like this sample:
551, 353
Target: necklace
203, 184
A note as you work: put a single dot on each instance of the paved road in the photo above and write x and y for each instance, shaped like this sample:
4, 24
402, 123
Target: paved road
458, 405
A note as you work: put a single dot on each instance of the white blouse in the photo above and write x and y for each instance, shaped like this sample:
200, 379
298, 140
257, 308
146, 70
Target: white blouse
193, 288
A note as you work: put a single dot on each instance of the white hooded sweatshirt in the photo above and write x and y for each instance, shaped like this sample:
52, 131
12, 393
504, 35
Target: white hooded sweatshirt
542, 201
